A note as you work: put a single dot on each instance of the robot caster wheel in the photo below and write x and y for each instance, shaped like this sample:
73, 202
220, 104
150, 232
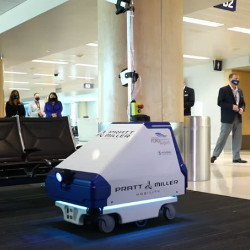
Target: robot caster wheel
169, 211
106, 223
141, 223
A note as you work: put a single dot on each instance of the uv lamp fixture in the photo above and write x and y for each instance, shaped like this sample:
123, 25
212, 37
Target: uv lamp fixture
64, 176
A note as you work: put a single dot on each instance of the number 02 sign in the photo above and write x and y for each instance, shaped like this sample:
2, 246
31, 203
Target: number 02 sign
230, 5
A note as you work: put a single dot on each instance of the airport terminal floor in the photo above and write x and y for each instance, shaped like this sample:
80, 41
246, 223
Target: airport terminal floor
208, 216
227, 178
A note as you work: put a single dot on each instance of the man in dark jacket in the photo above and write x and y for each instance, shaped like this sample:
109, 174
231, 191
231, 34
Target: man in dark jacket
189, 99
232, 104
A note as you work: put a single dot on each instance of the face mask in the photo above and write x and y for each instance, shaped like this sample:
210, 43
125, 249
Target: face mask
37, 98
235, 82
15, 97
52, 99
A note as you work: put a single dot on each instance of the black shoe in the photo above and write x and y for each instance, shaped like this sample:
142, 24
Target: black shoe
213, 158
239, 161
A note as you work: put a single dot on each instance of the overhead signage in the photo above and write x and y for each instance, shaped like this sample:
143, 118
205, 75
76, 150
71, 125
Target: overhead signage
230, 5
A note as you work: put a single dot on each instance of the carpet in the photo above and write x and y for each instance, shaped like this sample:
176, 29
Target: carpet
29, 220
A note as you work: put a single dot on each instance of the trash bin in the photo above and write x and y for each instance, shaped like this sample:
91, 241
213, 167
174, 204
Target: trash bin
197, 131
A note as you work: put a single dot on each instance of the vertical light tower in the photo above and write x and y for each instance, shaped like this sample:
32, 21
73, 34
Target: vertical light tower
128, 76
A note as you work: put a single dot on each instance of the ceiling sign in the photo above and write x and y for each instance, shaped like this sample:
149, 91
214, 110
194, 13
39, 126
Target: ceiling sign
230, 5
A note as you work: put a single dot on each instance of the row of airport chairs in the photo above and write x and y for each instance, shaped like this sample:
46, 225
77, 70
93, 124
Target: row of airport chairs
30, 147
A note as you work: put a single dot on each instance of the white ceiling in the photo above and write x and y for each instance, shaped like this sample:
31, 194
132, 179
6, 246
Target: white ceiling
6, 5
218, 43
59, 34
63, 32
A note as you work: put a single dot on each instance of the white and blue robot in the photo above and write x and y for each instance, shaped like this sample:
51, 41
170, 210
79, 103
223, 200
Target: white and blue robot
130, 172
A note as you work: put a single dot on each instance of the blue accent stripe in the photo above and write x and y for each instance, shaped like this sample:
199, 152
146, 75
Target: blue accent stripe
179, 157
149, 125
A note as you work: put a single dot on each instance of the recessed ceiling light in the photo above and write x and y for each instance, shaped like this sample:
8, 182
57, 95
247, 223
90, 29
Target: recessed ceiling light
49, 84
15, 82
82, 77
38, 74
13, 72
86, 65
92, 44
239, 29
196, 57
52, 62
201, 22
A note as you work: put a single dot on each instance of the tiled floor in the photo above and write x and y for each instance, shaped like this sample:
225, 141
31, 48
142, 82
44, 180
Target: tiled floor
227, 178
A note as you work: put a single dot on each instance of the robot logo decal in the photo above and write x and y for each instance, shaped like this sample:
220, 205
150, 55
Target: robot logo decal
160, 135
117, 134
139, 187
148, 186
160, 139
163, 153
102, 133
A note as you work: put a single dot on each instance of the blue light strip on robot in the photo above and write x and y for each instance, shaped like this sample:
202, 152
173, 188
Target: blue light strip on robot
136, 203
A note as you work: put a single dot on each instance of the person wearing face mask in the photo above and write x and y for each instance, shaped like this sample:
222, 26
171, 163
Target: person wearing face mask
36, 108
53, 108
232, 104
14, 106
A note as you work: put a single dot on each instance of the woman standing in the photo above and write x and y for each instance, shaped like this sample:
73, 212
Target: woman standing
14, 106
53, 108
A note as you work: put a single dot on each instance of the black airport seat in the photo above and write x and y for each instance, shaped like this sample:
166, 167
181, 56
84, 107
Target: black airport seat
47, 139
11, 146
31, 147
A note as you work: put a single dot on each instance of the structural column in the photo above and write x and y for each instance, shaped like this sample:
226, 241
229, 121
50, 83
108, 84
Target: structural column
172, 61
112, 55
1, 89
158, 60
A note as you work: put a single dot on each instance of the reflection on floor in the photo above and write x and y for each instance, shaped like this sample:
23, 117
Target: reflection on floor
227, 178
